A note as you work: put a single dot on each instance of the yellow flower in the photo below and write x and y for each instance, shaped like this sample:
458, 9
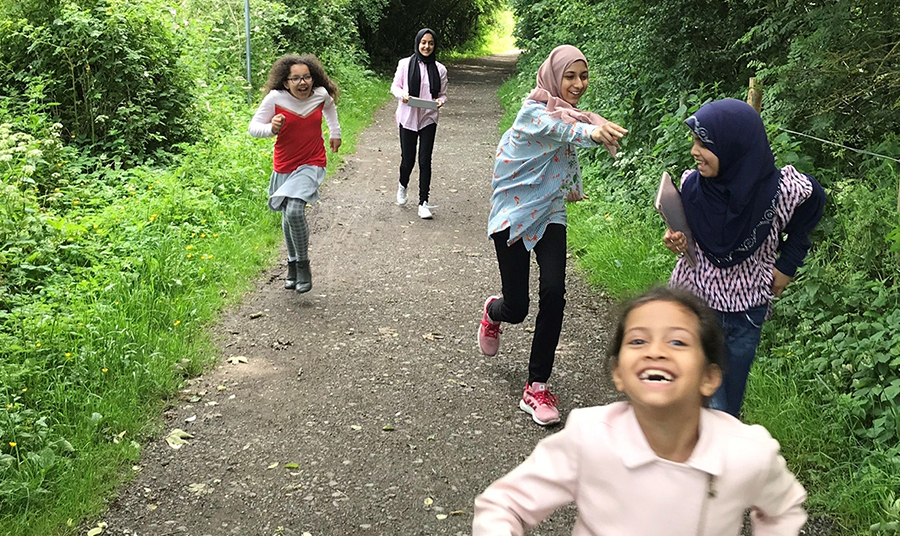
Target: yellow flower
203, 221
12, 444
189, 255
153, 217
203, 235
116, 302
177, 322
24, 389
189, 248
215, 235
75, 202
104, 370
38, 345
68, 354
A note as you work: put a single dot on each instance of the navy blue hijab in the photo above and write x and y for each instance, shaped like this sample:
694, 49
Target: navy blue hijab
731, 215
413, 77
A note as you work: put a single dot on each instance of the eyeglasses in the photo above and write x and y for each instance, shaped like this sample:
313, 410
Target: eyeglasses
297, 79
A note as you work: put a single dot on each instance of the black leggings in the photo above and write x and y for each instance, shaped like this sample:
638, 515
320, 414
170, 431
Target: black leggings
515, 262
408, 157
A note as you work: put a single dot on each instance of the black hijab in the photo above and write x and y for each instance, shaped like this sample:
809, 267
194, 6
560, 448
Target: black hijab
731, 214
413, 77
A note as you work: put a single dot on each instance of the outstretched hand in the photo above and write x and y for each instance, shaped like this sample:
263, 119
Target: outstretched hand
335, 144
575, 196
608, 134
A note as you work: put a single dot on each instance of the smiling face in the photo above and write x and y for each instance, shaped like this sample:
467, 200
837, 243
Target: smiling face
426, 45
707, 162
661, 364
574, 82
300, 81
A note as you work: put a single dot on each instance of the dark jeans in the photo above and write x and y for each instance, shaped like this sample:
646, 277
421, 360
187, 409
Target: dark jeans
515, 262
742, 331
408, 140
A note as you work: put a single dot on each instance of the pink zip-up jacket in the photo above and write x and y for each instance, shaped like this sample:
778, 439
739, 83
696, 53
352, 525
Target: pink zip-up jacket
602, 462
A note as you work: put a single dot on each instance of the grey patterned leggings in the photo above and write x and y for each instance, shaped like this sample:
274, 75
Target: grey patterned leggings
296, 231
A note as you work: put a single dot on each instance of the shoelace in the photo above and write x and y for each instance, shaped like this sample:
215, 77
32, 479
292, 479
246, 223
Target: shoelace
491, 330
545, 398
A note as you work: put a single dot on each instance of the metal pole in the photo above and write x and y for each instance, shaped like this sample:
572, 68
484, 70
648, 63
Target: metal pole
247, 32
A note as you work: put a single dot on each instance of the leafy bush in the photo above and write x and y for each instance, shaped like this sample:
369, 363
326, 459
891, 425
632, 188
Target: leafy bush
108, 71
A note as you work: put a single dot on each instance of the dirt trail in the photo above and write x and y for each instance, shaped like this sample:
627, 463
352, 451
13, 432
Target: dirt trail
372, 384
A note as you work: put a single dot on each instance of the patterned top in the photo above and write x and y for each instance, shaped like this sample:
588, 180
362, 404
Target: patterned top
749, 284
300, 141
535, 168
417, 118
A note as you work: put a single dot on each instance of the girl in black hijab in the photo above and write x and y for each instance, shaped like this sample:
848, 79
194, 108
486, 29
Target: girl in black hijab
422, 77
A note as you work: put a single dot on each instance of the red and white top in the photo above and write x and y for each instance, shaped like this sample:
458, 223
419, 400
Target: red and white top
300, 141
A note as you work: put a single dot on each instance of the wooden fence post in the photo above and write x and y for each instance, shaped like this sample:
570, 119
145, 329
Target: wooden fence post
754, 96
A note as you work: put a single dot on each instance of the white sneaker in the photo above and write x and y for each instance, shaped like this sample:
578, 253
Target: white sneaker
401, 195
425, 210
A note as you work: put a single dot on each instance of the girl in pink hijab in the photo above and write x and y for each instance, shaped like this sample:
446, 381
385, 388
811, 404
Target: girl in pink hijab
536, 172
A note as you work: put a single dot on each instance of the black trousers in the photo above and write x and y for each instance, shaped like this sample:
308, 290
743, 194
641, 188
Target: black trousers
408, 140
515, 262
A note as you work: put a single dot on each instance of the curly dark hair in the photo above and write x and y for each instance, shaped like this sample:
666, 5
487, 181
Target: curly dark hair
281, 69
712, 340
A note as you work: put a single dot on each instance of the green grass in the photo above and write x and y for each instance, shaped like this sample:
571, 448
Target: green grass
106, 342
849, 481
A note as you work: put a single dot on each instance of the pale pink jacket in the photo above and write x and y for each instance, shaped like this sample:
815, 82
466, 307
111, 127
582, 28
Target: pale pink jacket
417, 118
602, 462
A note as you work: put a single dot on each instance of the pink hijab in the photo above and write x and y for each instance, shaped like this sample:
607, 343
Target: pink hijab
548, 90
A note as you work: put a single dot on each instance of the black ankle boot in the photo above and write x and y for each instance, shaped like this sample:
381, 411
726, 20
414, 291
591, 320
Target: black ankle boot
304, 277
291, 282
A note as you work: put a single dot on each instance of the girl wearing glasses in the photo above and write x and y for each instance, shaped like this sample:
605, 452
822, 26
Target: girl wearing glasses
422, 77
298, 95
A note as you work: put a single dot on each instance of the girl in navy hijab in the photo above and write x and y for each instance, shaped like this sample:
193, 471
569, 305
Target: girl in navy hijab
422, 77
738, 206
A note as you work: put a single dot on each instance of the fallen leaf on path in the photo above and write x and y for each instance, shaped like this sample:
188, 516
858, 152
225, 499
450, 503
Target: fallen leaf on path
291, 465
453, 190
272, 465
388, 428
428, 501
256, 315
355, 427
441, 516
192, 418
458, 513
199, 489
473, 254
388, 331
529, 330
432, 336
176, 438
220, 388
235, 359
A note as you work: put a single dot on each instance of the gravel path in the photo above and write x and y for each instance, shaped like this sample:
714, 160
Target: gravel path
364, 407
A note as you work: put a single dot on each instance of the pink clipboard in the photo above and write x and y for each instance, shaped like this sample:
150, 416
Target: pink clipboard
668, 204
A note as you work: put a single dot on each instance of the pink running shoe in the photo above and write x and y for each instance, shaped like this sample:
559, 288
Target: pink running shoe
540, 403
489, 331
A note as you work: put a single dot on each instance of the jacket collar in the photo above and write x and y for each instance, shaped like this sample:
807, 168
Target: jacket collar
635, 451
